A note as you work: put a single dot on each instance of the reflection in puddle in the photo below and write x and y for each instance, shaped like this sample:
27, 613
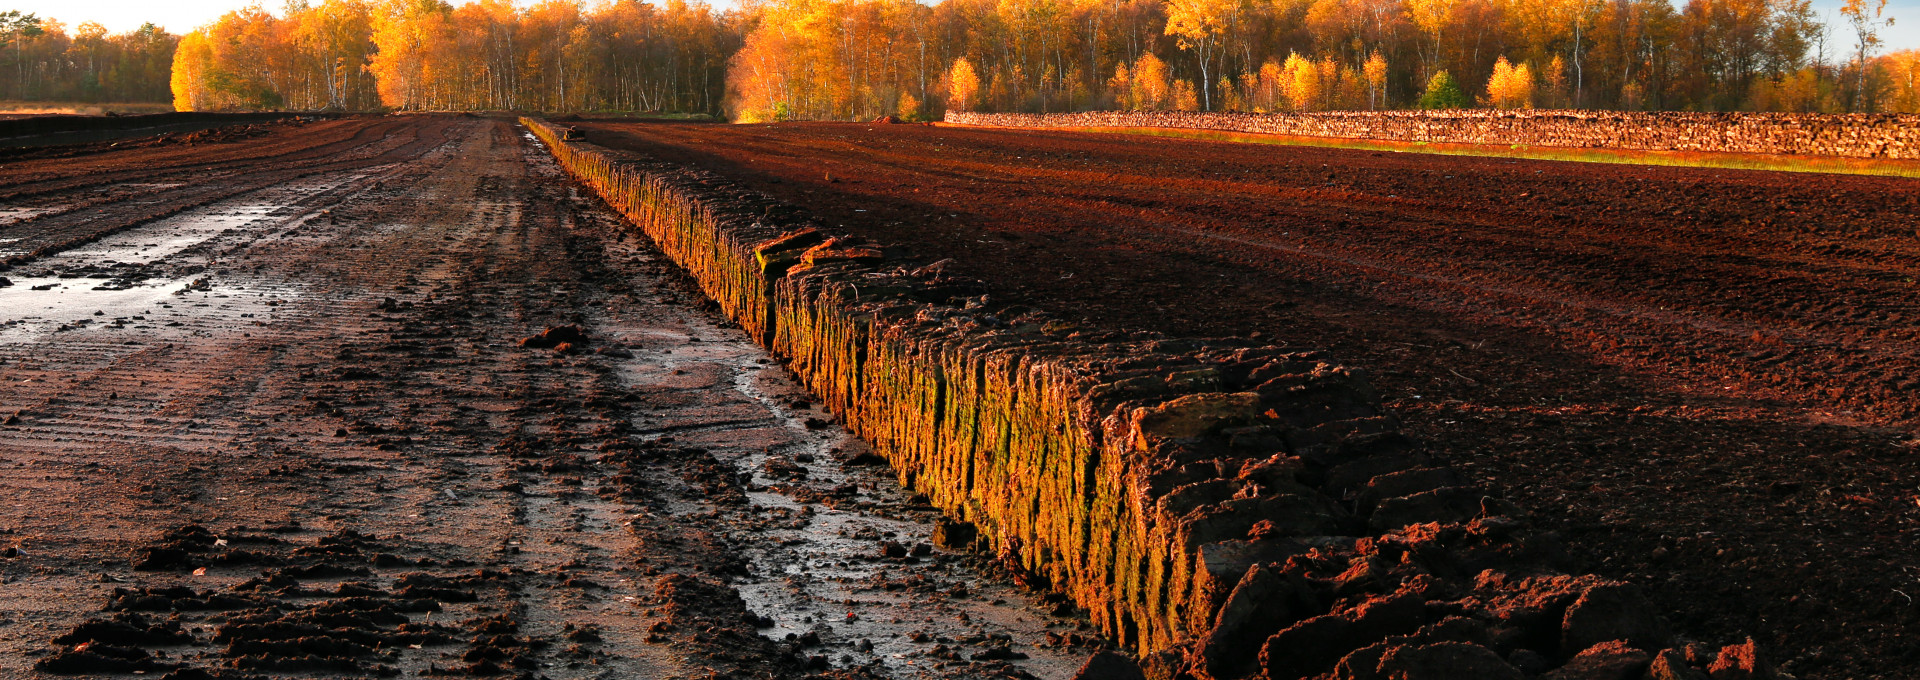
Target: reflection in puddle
35, 307
177, 234
839, 556
32, 307
825, 571
11, 215
155, 279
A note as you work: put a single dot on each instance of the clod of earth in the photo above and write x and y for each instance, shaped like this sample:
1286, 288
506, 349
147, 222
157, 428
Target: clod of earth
553, 338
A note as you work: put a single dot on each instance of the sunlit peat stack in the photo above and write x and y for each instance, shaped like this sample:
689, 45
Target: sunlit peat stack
1891, 136
1222, 508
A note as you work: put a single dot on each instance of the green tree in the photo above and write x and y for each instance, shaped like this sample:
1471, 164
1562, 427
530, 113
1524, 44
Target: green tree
1443, 93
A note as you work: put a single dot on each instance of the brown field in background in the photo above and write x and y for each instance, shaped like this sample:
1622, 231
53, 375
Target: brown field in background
19, 109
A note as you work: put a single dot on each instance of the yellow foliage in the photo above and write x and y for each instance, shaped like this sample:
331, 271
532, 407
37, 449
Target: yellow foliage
842, 59
554, 55
1510, 87
1152, 91
1121, 87
1903, 81
1230, 98
1301, 83
191, 60
1797, 92
1269, 90
237, 62
1185, 98
1431, 16
1557, 94
963, 86
1193, 21
1375, 73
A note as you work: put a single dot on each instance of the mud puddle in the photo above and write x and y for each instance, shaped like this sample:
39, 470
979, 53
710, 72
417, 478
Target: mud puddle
167, 273
841, 557
863, 572
12, 215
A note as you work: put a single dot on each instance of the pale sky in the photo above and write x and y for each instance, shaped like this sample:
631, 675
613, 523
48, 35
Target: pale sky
180, 16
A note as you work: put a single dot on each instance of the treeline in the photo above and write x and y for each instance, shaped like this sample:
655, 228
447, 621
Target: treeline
623, 55
41, 60
863, 58
857, 59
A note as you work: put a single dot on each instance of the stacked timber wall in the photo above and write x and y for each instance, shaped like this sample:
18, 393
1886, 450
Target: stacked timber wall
1223, 508
1891, 136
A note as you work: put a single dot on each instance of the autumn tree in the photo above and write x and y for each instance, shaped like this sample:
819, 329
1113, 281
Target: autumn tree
1865, 16
1432, 18
857, 59
963, 85
1199, 25
1182, 96
1375, 72
42, 60
1510, 87
1265, 90
1152, 84
1300, 82
1553, 82
1903, 81
237, 62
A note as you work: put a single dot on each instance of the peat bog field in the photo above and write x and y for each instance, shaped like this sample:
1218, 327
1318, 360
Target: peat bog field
390, 397
1704, 379
396, 396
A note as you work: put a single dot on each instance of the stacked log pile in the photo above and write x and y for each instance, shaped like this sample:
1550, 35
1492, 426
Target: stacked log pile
1889, 136
1224, 509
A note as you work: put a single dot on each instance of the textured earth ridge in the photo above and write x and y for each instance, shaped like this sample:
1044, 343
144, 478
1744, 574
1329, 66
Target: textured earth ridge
1703, 378
1223, 507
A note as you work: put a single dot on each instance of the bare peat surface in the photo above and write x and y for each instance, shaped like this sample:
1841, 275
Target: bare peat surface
1709, 380
390, 396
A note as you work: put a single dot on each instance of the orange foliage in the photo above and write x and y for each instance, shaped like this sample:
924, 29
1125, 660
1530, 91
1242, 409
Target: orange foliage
557, 55
858, 59
1510, 87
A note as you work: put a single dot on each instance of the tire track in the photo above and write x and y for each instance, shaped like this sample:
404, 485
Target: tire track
323, 370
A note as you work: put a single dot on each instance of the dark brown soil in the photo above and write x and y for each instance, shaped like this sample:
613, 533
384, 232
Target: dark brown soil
268, 412
1708, 379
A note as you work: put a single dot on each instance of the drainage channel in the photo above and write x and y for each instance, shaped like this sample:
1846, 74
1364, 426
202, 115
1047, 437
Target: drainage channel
842, 564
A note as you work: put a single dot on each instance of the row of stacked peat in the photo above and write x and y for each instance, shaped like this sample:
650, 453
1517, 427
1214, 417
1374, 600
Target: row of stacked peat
54, 124
1889, 136
1224, 509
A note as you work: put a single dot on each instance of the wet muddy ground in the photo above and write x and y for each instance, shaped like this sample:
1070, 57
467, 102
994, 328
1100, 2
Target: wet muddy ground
271, 409
1706, 379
